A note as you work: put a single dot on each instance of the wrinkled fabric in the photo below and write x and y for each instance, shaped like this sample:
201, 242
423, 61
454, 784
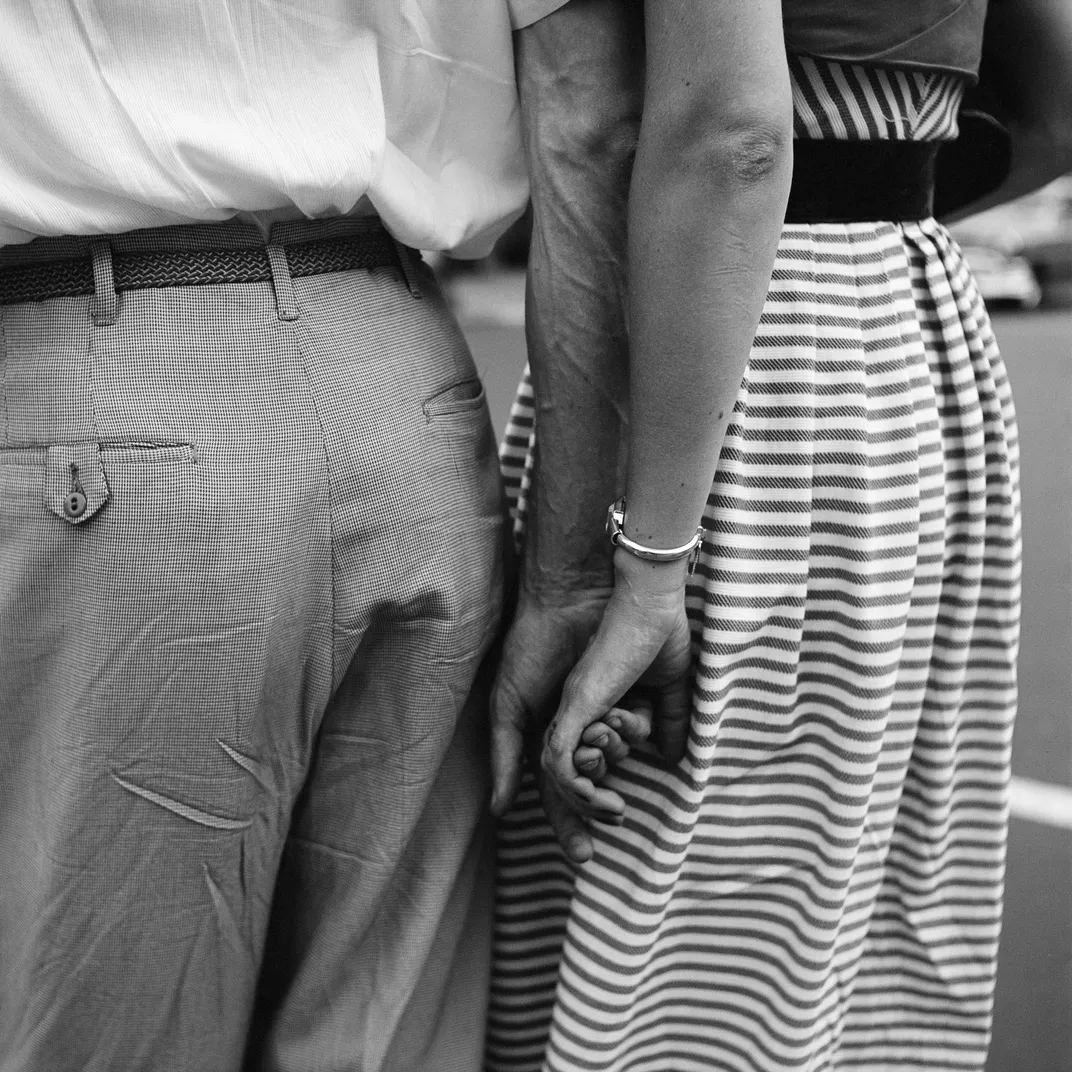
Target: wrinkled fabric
818, 884
238, 745
119, 115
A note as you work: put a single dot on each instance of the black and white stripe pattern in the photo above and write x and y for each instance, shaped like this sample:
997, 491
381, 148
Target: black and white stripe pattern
848, 101
830, 100
818, 884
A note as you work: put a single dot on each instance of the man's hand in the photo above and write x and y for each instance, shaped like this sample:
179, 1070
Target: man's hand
549, 633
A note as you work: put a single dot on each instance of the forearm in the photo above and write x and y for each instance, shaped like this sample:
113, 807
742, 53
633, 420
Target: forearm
706, 211
580, 87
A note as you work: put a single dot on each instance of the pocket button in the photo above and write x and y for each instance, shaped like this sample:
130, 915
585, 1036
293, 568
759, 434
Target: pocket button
75, 504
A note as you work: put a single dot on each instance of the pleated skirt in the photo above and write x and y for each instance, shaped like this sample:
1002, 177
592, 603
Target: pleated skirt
818, 884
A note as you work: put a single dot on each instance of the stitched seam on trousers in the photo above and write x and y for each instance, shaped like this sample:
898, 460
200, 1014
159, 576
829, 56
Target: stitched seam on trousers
111, 443
296, 342
94, 344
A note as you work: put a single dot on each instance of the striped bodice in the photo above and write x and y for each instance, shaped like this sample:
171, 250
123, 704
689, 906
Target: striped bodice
851, 102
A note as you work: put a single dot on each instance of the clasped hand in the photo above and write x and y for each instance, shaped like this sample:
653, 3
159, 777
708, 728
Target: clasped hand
585, 675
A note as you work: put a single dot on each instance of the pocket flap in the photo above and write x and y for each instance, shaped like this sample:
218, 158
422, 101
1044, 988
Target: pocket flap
75, 484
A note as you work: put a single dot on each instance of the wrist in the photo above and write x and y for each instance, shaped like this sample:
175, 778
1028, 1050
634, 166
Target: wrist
654, 553
662, 524
565, 584
649, 576
564, 545
542, 575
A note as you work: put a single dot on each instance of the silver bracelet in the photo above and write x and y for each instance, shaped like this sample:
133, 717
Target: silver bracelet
615, 524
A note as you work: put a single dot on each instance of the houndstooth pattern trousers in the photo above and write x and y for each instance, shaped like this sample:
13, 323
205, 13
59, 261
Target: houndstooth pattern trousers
242, 759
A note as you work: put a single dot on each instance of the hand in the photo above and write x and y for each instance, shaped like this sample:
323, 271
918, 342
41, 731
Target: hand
608, 741
643, 642
549, 633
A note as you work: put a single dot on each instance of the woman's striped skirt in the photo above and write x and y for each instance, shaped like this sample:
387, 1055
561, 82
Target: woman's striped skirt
818, 884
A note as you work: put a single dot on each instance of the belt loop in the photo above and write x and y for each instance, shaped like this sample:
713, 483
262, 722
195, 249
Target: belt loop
286, 303
409, 269
105, 304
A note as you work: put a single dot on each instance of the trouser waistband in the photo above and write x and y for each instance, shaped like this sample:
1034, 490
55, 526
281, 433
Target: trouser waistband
197, 255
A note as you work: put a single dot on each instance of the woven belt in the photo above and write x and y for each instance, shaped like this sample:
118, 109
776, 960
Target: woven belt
861, 181
40, 281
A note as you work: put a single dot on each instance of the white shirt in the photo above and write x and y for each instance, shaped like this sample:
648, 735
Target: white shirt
122, 114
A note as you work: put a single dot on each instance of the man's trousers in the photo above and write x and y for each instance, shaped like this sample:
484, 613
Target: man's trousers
250, 563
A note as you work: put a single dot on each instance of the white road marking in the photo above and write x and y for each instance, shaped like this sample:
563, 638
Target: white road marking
1040, 802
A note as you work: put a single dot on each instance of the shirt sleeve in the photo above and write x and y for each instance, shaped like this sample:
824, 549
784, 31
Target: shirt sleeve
526, 12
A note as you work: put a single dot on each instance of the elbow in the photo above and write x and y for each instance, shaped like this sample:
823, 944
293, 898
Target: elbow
753, 154
612, 140
606, 141
742, 151
579, 122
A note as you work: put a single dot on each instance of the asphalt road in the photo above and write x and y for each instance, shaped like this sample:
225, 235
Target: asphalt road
1033, 1017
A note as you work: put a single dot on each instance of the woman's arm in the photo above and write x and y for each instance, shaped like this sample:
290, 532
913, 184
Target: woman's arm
1029, 43
708, 196
705, 213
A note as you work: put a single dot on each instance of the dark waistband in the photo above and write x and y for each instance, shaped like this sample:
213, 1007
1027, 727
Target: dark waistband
196, 255
861, 181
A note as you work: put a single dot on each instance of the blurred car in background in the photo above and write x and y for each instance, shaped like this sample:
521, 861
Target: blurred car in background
1036, 229
1005, 280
